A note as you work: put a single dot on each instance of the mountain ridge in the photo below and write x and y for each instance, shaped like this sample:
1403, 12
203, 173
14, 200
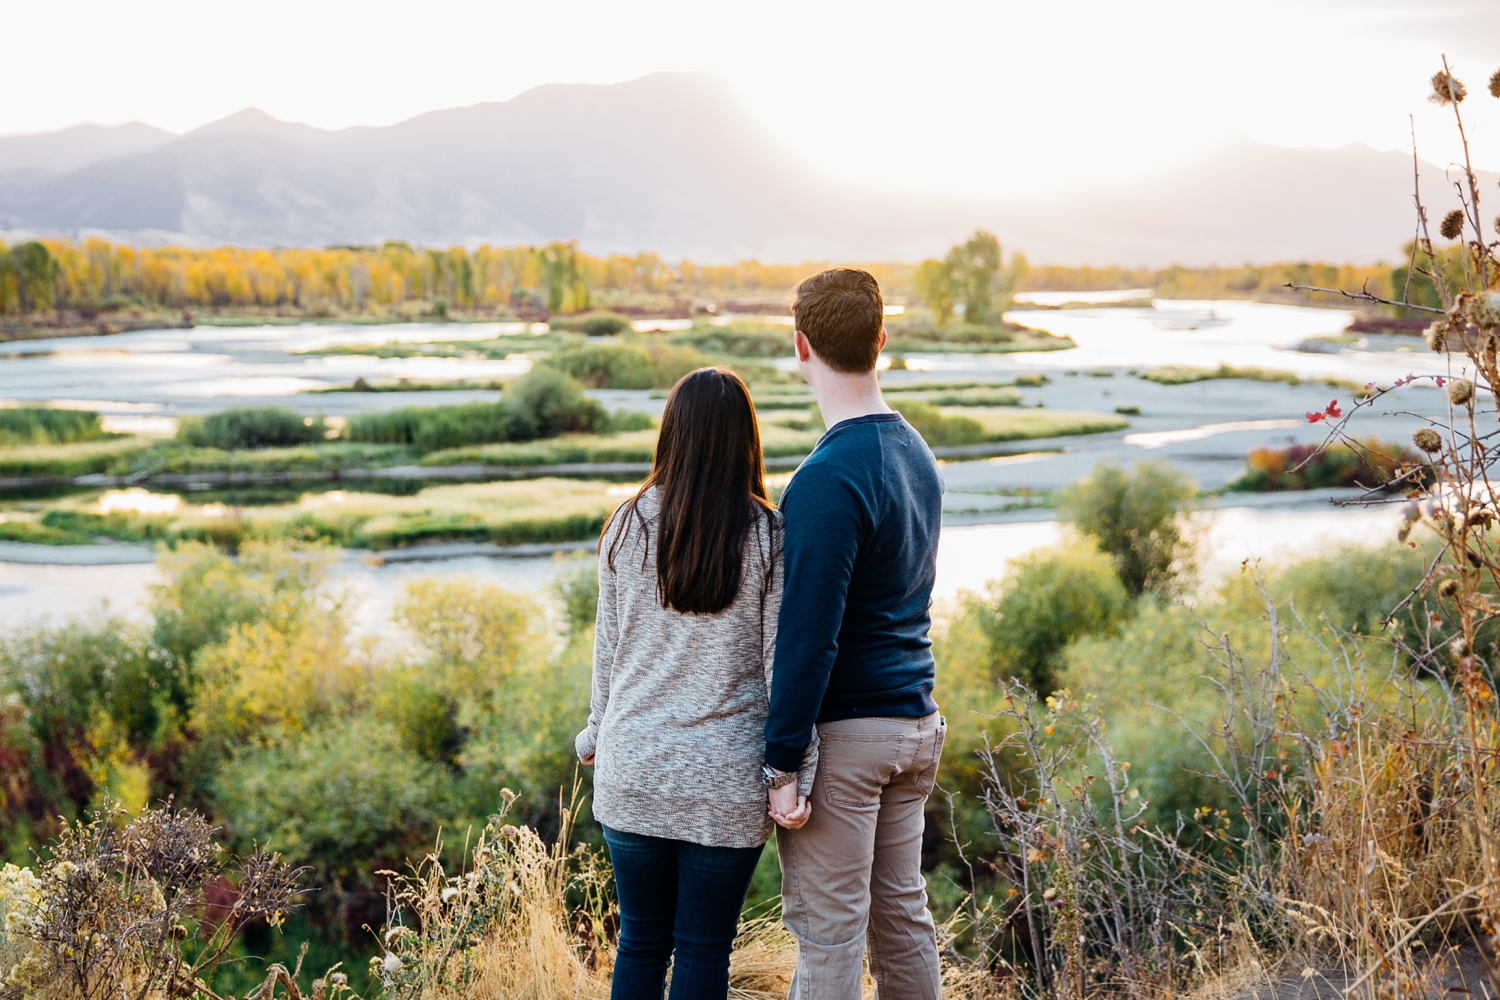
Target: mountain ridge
673, 163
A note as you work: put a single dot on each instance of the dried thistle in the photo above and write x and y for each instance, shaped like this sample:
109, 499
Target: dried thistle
1495, 83
1448, 588
1446, 89
1460, 391
1484, 310
1436, 335
1428, 440
1452, 226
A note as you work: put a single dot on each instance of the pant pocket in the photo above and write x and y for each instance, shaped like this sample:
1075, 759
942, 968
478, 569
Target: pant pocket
927, 779
854, 768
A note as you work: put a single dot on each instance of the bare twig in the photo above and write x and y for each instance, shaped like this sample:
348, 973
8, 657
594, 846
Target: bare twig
1363, 295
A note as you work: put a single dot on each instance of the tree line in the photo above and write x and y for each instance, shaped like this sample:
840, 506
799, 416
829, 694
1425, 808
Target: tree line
972, 280
557, 278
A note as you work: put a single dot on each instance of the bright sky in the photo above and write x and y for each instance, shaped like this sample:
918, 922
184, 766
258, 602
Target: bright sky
974, 97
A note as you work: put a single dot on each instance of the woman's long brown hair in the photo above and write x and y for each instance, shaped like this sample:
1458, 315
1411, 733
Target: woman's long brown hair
711, 488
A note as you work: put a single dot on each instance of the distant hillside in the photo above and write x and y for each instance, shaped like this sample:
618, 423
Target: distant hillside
671, 163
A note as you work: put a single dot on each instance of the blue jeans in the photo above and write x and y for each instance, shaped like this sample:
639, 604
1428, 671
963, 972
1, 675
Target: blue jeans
675, 895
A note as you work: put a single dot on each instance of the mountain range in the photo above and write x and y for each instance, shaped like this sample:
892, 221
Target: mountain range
673, 163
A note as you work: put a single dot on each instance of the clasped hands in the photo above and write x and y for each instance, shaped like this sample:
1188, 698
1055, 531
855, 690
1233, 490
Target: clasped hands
786, 807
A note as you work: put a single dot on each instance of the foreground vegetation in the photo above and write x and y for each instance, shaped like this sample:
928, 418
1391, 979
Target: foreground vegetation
1088, 723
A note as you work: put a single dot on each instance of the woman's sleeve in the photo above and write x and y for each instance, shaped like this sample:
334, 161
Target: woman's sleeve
606, 632
769, 615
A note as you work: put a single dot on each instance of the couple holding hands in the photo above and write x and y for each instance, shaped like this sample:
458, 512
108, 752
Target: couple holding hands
756, 667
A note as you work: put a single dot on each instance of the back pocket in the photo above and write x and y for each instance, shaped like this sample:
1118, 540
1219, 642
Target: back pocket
856, 767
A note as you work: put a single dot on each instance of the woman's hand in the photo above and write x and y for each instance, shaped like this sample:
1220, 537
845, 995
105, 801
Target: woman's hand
788, 809
587, 761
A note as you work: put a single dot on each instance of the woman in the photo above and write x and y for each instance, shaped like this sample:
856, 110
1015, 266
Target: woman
689, 590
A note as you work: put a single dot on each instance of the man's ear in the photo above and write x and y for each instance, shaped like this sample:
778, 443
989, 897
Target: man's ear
802, 347
882, 341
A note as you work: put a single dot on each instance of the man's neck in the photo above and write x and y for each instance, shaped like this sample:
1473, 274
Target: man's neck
844, 397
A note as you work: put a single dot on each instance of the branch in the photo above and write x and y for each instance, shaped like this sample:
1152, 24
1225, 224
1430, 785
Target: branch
1361, 296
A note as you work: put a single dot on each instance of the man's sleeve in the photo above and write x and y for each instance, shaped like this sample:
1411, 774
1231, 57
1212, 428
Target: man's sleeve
824, 526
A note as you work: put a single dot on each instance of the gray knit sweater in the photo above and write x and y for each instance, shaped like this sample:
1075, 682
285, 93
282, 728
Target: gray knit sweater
679, 701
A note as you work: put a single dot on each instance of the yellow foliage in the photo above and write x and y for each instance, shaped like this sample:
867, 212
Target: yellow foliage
477, 634
270, 678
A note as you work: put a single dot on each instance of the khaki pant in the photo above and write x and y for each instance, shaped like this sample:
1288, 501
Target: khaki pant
853, 875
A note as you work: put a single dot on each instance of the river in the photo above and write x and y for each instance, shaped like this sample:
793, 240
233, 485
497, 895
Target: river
1203, 428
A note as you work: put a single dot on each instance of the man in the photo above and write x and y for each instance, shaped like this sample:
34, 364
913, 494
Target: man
853, 657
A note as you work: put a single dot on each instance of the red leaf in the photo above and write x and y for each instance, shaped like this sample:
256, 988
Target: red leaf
1333, 409
1313, 418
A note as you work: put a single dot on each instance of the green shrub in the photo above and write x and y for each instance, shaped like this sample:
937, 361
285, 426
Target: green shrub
544, 403
627, 366
939, 429
578, 590
606, 366
738, 339
348, 799
250, 427
625, 421
1045, 601
598, 325
207, 594
1133, 517
44, 425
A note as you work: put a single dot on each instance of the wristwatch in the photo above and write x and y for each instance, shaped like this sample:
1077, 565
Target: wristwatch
772, 779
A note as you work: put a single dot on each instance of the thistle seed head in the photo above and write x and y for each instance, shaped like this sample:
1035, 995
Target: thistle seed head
1452, 226
1436, 335
339, 979
509, 832
1484, 310
1446, 89
1460, 391
1428, 440
1448, 588
1495, 83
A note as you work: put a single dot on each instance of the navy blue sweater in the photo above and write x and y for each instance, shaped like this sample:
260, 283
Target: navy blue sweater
862, 520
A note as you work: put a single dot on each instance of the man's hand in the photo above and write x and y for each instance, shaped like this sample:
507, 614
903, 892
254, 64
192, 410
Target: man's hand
587, 761
787, 808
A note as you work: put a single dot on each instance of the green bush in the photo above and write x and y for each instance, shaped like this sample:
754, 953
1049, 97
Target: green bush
44, 425
544, 403
939, 429
625, 421
627, 366
739, 340
348, 799
1045, 601
598, 325
250, 427
1133, 517
578, 589
606, 366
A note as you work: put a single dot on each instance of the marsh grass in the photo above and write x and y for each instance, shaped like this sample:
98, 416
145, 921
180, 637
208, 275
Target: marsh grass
1181, 375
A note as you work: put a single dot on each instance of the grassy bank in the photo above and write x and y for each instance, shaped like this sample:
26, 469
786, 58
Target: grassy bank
513, 513
1174, 375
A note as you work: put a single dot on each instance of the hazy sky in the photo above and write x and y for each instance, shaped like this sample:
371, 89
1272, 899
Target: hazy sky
937, 94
